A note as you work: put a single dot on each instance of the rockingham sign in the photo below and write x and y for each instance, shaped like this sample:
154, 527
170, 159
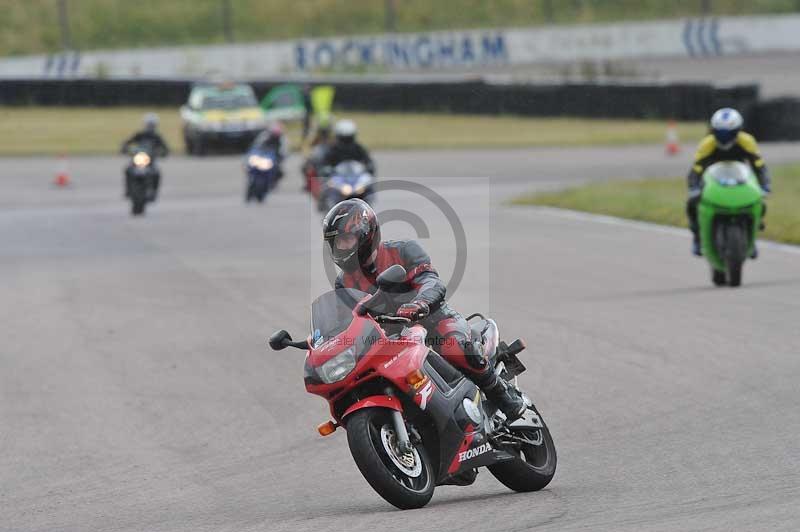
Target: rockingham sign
402, 52
431, 51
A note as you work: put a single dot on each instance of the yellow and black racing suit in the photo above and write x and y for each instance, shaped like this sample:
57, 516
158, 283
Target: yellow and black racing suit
744, 149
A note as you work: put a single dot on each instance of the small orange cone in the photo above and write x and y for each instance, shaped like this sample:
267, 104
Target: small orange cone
673, 142
62, 174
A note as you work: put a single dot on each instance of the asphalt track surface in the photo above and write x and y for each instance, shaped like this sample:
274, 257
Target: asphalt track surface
136, 392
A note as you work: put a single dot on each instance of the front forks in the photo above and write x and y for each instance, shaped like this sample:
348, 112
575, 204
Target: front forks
403, 441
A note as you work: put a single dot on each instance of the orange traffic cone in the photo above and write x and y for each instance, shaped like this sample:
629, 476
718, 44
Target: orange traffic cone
62, 174
673, 142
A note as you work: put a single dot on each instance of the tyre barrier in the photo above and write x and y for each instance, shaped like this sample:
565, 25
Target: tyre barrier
776, 119
680, 101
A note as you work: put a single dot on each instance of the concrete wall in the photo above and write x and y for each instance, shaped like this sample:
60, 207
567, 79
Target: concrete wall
434, 51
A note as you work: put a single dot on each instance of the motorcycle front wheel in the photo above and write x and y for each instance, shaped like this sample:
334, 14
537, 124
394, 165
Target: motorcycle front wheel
405, 480
735, 253
718, 277
535, 462
138, 199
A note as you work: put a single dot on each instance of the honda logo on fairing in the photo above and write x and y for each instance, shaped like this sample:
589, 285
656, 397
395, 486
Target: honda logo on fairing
472, 453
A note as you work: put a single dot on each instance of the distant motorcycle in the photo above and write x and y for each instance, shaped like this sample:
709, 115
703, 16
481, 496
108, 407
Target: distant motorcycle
263, 172
349, 179
142, 178
729, 214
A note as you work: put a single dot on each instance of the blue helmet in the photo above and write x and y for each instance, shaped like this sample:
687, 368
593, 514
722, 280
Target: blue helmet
726, 124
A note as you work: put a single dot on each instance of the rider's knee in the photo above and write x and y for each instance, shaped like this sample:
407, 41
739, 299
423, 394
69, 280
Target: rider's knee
474, 355
462, 352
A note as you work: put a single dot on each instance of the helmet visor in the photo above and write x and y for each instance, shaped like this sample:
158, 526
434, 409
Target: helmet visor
344, 246
725, 137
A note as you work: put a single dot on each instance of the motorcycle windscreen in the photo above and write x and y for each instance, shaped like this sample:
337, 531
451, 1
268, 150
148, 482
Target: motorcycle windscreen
332, 313
350, 172
730, 184
729, 173
145, 146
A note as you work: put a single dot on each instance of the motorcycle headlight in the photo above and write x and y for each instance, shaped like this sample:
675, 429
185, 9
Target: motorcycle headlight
338, 367
260, 163
362, 183
141, 159
347, 189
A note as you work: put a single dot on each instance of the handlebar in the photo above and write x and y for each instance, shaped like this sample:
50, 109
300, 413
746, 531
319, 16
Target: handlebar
391, 319
376, 307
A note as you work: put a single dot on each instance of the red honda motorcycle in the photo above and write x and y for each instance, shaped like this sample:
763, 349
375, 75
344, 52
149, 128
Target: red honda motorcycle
413, 420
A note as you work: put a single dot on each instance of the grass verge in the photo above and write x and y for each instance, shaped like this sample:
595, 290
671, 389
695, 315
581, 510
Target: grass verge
75, 130
663, 201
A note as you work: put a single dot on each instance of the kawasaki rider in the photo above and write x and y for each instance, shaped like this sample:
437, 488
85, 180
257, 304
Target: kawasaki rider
726, 142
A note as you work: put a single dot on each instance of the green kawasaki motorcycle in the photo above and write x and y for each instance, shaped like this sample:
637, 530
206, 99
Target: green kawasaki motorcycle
729, 213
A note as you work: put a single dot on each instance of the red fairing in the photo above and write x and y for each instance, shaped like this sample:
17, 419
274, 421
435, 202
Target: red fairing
411, 352
376, 401
389, 359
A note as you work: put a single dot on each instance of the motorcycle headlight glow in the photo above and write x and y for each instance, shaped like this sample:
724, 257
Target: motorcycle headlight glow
347, 189
362, 183
338, 367
141, 159
260, 163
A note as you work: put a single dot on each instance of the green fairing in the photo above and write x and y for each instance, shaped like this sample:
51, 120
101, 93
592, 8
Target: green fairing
729, 188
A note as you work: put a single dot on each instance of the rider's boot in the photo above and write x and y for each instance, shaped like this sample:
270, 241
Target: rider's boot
696, 249
754, 252
507, 398
694, 226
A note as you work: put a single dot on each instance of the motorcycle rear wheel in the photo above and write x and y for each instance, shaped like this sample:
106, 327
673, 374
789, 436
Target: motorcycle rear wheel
535, 465
367, 432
